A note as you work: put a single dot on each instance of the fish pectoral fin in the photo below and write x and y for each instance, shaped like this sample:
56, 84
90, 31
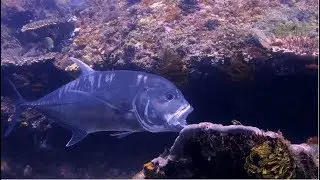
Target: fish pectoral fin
77, 135
120, 135
104, 101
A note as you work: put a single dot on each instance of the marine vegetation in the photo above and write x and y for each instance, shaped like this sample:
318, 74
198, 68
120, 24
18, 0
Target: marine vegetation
271, 159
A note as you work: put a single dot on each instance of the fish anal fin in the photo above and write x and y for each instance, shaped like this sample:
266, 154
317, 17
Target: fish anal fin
120, 135
85, 69
77, 136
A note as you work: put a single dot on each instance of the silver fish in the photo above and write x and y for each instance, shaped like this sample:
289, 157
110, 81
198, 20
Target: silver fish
48, 43
122, 100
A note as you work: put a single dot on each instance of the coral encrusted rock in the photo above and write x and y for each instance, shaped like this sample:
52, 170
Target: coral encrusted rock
209, 150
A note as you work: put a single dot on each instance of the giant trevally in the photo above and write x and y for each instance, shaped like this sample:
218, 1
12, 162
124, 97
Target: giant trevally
123, 101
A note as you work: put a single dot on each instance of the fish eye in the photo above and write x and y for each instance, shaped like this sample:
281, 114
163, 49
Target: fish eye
169, 96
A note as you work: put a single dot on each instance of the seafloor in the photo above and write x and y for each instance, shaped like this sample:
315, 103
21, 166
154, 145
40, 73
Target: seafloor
255, 61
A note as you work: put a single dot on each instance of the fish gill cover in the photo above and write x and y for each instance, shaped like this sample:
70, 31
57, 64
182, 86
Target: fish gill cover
251, 60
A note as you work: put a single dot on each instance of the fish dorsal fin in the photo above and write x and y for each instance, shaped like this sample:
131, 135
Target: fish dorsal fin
77, 136
85, 69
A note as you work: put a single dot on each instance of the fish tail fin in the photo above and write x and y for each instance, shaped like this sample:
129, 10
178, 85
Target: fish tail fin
19, 106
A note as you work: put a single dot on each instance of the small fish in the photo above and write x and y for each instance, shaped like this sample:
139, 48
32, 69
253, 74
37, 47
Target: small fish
312, 67
48, 43
122, 100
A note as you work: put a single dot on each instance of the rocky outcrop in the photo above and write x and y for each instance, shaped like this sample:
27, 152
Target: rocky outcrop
177, 38
209, 150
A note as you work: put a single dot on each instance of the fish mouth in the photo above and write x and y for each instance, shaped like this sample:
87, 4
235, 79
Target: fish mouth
181, 114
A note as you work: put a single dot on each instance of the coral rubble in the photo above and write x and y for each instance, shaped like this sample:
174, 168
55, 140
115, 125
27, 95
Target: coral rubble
209, 150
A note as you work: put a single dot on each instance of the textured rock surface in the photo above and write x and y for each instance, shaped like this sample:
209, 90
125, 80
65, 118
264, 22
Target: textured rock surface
177, 35
173, 38
208, 150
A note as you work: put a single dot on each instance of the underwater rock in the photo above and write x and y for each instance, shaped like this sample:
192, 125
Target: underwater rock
15, 13
138, 35
8, 41
209, 150
236, 39
27, 61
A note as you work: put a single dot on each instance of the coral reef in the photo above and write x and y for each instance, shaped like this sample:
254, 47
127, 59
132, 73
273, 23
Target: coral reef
172, 37
209, 150
195, 30
186, 41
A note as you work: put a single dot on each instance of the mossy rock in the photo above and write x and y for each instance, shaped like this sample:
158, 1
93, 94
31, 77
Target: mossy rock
271, 159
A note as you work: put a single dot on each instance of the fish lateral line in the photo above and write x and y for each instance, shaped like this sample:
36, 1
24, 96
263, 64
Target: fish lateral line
103, 101
120, 135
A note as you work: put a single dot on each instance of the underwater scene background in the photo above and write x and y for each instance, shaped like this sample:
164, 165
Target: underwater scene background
249, 65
